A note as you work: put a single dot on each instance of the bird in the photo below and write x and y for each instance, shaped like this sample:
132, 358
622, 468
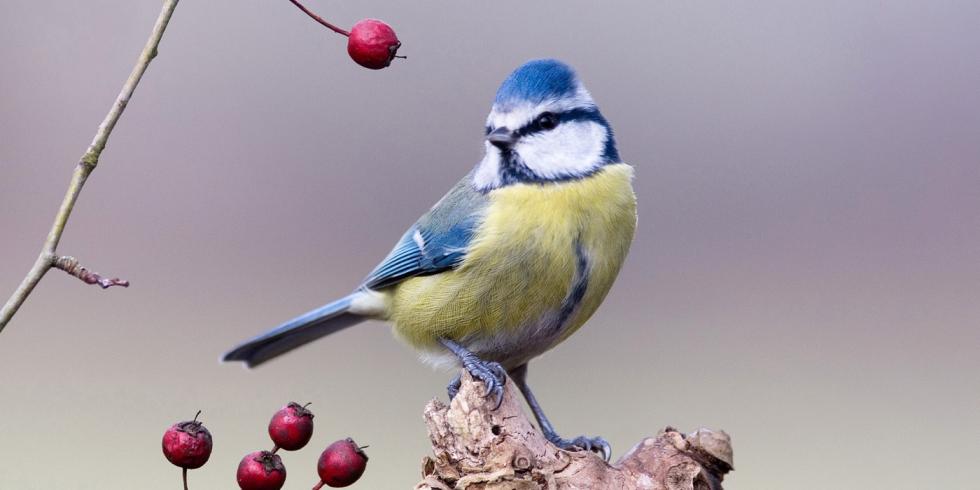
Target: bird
513, 259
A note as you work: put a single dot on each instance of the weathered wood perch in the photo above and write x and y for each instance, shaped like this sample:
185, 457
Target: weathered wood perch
478, 448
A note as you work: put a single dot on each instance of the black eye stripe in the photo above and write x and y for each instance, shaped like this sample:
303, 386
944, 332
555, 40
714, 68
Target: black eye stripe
579, 114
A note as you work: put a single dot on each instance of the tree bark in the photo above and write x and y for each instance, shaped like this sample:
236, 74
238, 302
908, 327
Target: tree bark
478, 448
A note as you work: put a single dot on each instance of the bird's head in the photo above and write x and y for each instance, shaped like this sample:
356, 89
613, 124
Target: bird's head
543, 127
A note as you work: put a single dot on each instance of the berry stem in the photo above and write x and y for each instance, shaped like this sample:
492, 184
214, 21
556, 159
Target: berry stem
185, 477
318, 486
198, 414
274, 449
320, 19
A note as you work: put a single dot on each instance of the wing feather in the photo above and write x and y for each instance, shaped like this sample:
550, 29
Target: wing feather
437, 242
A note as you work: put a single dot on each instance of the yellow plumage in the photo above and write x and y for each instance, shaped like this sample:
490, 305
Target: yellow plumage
521, 266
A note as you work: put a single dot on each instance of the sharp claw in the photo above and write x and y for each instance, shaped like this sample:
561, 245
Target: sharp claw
500, 398
604, 448
453, 387
501, 379
488, 386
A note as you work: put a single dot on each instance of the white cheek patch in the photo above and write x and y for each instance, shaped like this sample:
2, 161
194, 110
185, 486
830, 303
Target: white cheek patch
572, 148
487, 174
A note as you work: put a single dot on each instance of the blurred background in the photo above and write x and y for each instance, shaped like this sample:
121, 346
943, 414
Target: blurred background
805, 274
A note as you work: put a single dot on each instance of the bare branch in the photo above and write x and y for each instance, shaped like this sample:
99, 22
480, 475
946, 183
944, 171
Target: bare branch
90, 159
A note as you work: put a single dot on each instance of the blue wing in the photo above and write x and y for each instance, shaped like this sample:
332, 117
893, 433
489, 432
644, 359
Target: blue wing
437, 241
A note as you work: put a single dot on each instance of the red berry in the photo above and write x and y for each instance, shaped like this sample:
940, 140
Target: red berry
372, 44
341, 463
291, 427
261, 470
187, 444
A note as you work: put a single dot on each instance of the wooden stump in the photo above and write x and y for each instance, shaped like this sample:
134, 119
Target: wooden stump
476, 447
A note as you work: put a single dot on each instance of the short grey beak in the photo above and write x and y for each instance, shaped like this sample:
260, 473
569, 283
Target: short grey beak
502, 138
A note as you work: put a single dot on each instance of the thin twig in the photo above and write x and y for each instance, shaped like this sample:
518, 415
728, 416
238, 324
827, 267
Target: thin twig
73, 268
320, 19
90, 159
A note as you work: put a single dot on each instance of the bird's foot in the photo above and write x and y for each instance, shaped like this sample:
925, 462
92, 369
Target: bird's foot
595, 444
492, 374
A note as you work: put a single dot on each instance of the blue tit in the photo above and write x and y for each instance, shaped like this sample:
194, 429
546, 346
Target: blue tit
514, 259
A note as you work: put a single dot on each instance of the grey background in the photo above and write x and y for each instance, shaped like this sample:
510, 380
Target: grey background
805, 272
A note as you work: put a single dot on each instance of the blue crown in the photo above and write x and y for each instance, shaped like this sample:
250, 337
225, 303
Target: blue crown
537, 81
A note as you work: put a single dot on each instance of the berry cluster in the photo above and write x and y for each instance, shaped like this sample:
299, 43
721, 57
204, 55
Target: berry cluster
290, 429
188, 446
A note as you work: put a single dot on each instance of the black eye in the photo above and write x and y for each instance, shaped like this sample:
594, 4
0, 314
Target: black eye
547, 121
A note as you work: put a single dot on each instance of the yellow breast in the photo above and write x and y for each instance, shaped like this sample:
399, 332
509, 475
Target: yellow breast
522, 265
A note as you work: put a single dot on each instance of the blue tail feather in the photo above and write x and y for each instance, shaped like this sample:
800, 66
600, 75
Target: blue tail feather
303, 329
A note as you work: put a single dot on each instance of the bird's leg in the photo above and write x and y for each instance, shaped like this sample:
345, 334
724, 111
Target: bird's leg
597, 444
491, 373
